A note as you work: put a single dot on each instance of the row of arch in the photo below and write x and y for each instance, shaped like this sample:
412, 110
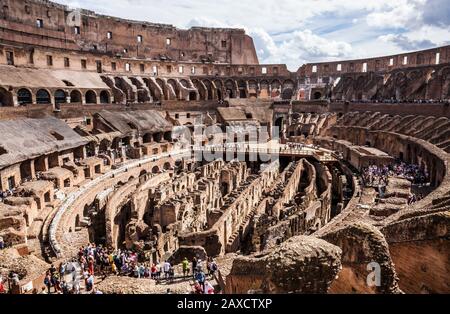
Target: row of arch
24, 96
145, 89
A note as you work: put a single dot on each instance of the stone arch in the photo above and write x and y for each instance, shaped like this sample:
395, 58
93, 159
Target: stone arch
6, 99
143, 173
201, 88
184, 83
43, 96
162, 85
24, 96
60, 96
154, 90
219, 89
104, 145
209, 89
317, 95
230, 88
104, 97
174, 85
264, 89
91, 97
288, 89
75, 96
167, 165
155, 169
276, 88
242, 85
252, 89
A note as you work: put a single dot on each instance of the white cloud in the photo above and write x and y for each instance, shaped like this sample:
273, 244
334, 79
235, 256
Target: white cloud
402, 14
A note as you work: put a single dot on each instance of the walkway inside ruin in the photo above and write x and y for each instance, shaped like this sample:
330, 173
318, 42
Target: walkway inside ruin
72, 197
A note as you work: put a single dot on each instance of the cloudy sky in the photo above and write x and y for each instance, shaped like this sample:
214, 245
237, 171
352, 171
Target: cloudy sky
299, 31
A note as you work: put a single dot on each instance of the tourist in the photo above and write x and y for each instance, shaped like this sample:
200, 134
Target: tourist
212, 267
194, 265
52, 269
89, 282
171, 273
62, 270
200, 277
167, 267
185, 264
208, 288
2, 287
153, 271
2, 243
198, 288
48, 281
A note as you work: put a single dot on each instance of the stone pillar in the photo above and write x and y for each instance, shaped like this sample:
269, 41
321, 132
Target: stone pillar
32, 169
15, 100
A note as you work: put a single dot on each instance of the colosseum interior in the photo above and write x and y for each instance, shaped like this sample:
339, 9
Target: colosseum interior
117, 133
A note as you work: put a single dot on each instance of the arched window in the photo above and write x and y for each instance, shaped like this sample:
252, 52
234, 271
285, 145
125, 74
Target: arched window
24, 96
104, 97
5, 98
60, 97
42, 97
91, 97
75, 96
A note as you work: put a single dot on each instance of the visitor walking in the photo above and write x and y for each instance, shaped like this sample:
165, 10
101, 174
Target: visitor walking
185, 264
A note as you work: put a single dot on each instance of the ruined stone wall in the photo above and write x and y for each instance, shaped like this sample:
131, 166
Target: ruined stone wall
227, 227
378, 64
59, 31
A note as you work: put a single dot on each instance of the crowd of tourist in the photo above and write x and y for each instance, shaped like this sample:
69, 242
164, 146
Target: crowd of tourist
395, 101
379, 175
101, 261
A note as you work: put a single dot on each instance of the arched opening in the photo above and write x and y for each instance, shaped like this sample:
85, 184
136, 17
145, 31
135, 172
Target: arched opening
5, 98
24, 96
317, 95
167, 166
91, 97
264, 89
230, 88
276, 89
42, 97
287, 94
147, 138
75, 96
174, 86
157, 137
104, 145
161, 85
104, 97
60, 97
209, 89
155, 169
242, 89
143, 173
201, 89
192, 96
252, 89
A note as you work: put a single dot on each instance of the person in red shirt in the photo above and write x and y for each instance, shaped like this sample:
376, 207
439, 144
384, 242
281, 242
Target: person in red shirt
91, 267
